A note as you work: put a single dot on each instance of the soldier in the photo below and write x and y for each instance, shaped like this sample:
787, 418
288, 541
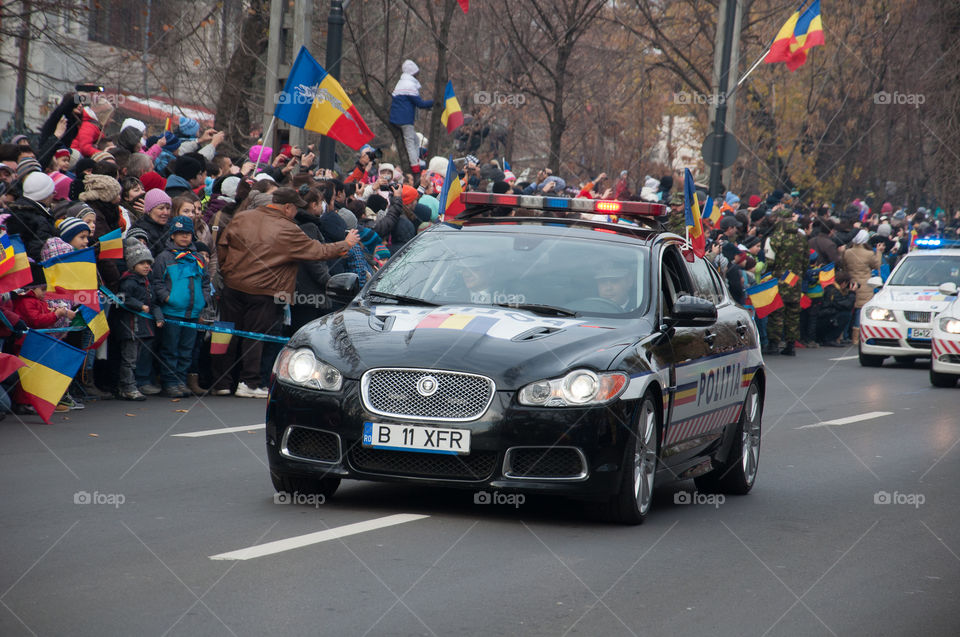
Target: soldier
790, 253
676, 222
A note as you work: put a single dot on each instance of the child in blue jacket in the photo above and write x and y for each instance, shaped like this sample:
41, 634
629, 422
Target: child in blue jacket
181, 288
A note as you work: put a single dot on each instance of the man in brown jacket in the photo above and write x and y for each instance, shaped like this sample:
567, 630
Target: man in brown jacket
258, 256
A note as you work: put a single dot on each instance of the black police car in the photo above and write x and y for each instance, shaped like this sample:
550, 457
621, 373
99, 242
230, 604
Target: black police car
536, 353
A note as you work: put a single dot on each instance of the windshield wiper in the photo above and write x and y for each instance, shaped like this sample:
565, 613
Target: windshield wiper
536, 308
400, 298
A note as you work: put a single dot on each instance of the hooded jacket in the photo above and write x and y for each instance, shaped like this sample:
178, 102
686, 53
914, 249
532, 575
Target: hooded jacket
136, 292
406, 96
88, 135
181, 286
33, 223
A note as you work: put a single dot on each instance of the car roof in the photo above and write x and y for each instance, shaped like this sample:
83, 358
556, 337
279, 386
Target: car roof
944, 252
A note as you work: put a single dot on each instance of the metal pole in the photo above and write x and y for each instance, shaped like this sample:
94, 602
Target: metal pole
273, 64
729, 13
335, 22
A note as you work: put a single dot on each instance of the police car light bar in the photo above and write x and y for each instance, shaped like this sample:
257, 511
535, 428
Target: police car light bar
934, 243
593, 206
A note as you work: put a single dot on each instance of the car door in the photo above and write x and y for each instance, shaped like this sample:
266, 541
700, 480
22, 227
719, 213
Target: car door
709, 363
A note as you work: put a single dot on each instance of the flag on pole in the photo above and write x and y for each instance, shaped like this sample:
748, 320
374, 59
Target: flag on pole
765, 298
314, 100
96, 322
826, 275
798, 34
450, 203
691, 210
111, 245
19, 275
711, 211
73, 276
168, 125
452, 116
49, 367
789, 278
220, 341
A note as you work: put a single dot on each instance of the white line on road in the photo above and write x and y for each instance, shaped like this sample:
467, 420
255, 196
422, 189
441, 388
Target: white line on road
223, 430
299, 541
849, 419
845, 358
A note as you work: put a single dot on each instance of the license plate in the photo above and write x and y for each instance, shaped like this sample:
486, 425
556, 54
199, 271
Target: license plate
919, 333
416, 438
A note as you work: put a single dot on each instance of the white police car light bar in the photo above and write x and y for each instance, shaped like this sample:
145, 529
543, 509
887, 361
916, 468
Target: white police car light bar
592, 206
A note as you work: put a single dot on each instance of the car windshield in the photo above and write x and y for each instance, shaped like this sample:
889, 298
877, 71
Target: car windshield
927, 271
549, 274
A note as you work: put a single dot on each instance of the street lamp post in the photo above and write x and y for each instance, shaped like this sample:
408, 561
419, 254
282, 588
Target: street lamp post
335, 22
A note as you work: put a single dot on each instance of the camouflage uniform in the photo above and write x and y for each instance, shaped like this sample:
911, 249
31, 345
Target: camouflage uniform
790, 248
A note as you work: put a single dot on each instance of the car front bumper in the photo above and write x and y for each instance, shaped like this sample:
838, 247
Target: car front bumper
890, 338
945, 353
581, 448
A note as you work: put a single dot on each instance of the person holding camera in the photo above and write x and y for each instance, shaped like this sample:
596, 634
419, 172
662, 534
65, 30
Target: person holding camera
836, 310
366, 166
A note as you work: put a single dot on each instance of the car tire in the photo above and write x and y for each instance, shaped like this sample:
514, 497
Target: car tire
905, 360
641, 458
942, 380
738, 474
869, 360
294, 483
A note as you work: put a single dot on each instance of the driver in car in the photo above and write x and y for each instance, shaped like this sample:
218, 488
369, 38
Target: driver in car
614, 283
476, 276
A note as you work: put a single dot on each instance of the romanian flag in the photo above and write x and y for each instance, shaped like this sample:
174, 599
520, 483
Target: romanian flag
765, 298
313, 99
686, 394
692, 211
450, 204
711, 211
19, 275
220, 341
168, 125
96, 321
464, 322
452, 116
805, 301
799, 33
111, 245
789, 278
6, 253
68, 274
826, 275
49, 368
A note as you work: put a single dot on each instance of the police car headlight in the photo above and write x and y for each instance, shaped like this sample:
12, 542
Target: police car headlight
950, 325
301, 367
579, 387
880, 314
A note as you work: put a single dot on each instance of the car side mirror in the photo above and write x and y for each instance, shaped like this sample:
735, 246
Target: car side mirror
875, 282
343, 287
948, 289
692, 311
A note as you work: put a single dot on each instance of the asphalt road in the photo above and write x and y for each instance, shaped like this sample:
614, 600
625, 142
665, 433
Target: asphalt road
813, 550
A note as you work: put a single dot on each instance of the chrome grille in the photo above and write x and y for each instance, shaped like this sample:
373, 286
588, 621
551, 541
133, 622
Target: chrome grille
456, 397
917, 317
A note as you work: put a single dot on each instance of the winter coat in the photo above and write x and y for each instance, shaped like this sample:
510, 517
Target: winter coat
156, 234
181, 286
33, 223
136, 292
108, 220
88, 135
312, 276
34, 312
385, 222
859, 261
403, 106
63, 109
826, 248
176, 186
401, 235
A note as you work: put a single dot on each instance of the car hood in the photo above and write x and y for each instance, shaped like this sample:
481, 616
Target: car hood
513, 347
901, 297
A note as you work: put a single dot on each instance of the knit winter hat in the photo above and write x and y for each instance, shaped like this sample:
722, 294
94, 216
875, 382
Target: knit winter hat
754, 201
70, 227
264, 158
228, 188
409, 195
861, 237
369, 239
26, 166
135, 253
154, 198
348, 217
433, 204
100, 188
102, 155
54, 247
377, 202
181, 223
188, 168
188, 128
37, 186
884, 230
422, 212
135, 234
61, 185
134, 123
152, 179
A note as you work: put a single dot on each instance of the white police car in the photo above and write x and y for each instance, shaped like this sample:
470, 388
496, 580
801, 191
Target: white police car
945, 342
899, 320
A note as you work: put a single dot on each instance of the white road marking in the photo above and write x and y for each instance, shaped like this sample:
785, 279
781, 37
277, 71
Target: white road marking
849, 419
845, 358
299, 541
214, 432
